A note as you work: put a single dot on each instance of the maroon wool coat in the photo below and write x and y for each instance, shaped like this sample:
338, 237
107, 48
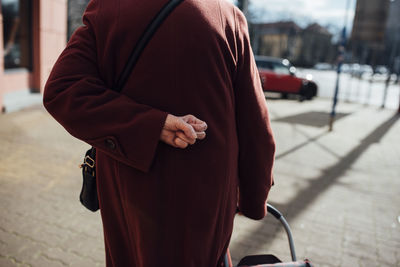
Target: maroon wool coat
160, 205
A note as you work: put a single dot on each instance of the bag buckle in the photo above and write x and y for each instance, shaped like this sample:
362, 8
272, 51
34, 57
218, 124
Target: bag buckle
88, 161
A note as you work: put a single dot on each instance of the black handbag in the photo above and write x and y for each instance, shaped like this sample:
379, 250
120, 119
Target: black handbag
88, 195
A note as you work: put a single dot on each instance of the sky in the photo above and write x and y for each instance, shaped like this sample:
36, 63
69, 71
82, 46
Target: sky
304, 12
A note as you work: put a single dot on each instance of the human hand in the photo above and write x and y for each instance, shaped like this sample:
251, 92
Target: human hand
198, 125
181, 131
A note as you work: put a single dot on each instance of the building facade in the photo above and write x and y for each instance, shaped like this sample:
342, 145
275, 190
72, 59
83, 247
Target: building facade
32, 35
304, 47
316, 46
392, 38
278, 39
368, 35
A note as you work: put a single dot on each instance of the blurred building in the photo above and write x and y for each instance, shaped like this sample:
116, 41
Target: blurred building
368, 35
316, 46
32, 35
279, 39
392, 37
304, 47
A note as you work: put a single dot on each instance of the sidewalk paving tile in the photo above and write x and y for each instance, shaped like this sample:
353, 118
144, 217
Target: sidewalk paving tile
339, 191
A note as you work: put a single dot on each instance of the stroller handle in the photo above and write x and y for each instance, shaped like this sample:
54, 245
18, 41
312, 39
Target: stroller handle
272, 210
278, 215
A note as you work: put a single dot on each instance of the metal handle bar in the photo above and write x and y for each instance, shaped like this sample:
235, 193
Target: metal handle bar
276, 213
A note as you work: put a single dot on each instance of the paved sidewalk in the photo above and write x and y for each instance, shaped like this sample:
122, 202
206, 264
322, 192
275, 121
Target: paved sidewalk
340, 190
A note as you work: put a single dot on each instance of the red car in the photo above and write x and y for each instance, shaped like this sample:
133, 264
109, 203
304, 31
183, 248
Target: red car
278, 75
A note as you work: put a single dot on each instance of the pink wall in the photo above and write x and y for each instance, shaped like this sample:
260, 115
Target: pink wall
17, 80
53, 35
1, 62
49, 39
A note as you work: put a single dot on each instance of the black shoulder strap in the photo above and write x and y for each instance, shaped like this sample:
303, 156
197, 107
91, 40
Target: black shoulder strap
143, 41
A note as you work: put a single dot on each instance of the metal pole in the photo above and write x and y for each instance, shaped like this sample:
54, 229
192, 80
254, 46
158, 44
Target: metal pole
340, 60
387, 83
398, 111
333, 112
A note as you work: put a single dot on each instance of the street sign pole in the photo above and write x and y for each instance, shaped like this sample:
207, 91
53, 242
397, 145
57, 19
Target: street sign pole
398, 111
387, 83
341, 50
335, 96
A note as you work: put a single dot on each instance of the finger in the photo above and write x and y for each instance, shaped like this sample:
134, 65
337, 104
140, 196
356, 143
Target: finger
200, 127
168, 137
201, 135
196, 123
180, 143
189, 118
182, 136
188, 130
192, 119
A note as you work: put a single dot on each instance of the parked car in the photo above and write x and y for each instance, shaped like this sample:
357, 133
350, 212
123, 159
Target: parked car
361, 70
323, 66
380, 69
279, 75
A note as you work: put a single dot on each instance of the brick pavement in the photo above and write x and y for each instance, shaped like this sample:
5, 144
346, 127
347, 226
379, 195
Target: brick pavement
41, 221
339, 190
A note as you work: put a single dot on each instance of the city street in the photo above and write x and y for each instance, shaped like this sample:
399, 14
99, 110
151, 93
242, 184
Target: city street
340, 190
365, 91
338, 187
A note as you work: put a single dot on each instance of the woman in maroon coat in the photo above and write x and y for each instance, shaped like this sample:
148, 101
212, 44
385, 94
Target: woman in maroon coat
163, 205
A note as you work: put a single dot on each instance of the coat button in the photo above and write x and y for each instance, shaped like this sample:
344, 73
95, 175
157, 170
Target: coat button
110, 144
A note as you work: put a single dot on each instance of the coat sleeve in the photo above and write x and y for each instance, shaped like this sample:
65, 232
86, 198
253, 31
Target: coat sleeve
77, 97
256, 142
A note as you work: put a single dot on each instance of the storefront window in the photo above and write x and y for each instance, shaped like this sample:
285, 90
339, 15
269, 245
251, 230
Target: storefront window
17, 33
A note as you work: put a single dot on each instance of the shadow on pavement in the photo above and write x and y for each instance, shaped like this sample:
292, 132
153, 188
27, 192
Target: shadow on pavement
330, 175
312, 118
309, 140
